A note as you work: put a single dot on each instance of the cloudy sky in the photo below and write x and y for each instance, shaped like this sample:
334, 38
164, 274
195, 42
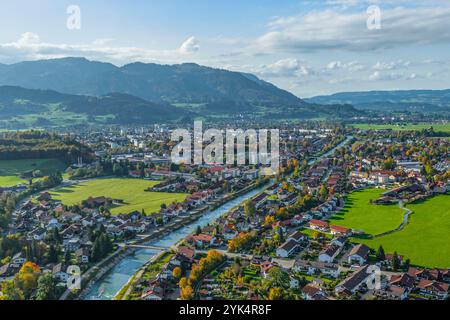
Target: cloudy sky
309, 47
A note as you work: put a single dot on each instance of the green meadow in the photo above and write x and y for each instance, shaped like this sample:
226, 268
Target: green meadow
425, 239
405, 127
10, 170
360, 214
131, 191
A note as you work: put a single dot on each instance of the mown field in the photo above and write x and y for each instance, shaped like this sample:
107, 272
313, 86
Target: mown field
10, 170
131, 191
425, 240
407, 127
360, 214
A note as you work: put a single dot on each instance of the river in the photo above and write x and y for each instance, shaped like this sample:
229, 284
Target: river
107, 287
330, 152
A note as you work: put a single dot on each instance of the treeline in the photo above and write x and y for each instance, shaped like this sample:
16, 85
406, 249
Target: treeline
36, 144
7, 205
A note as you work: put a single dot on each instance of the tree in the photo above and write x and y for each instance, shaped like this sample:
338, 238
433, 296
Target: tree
28, 277
186, 293
275, 294
249, 208
183, 282
407, 264
176, 273
281, 235
323, 193
278, 278
46, 289
96, 254
380, 255
67, 257
395, 261
9, 291
52, 254
198, 230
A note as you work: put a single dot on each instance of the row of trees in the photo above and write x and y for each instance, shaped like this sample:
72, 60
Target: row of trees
198, 272
37, 144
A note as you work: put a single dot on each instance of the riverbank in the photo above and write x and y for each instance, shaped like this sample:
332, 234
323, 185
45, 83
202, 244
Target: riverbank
166, 231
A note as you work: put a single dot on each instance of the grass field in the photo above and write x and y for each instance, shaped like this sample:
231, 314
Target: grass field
10, 170
360, 214
129, 190
425, 240
406, 127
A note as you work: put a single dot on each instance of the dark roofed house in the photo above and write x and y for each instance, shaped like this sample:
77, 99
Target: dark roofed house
329, 254
359, 254
310, 291
82, 255
287, 249
186, 253
97, 202
392, 292
403, 280
297, 236
353, 282
60, 273
433, 289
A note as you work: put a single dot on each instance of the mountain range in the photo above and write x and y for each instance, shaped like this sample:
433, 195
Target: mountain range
183, 83
424, 101
76, 91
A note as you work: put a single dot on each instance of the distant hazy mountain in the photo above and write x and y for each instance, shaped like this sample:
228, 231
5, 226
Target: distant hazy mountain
410, 100
184, 83
47, 107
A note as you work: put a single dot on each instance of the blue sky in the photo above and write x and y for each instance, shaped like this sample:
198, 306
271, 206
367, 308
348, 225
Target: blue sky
308, 47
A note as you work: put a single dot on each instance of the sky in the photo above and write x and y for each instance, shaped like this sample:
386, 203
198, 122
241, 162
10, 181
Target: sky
309, 47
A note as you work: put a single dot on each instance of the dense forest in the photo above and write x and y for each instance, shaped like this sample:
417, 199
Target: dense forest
37, 144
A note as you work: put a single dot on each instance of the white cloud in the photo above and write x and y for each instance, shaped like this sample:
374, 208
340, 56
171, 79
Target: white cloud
399, 64
28, 38
395, 76
352, 66
189, 46
332, 29
30, 47
289, 67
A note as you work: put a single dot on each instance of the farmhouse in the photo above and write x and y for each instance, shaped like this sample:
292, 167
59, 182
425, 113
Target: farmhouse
340, 231
319, 225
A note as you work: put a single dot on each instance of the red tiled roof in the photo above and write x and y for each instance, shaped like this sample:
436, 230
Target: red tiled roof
319, 223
